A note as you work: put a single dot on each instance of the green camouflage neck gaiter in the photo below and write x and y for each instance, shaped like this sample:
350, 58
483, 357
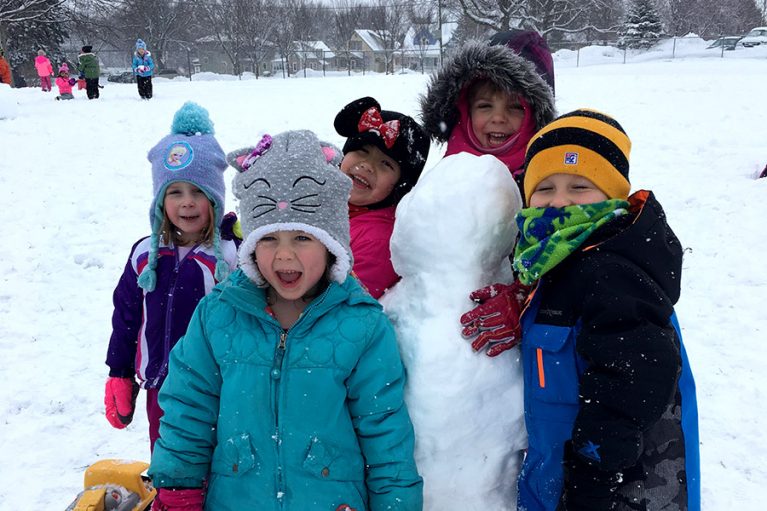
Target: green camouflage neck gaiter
548, 235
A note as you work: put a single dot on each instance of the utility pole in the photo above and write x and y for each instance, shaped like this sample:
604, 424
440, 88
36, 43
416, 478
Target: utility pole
439, 28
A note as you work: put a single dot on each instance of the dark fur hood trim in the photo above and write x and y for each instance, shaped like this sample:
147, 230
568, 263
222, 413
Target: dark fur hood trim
478, 60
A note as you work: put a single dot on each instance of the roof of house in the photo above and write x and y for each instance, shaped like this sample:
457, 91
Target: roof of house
318, 49
430, 43
373, 38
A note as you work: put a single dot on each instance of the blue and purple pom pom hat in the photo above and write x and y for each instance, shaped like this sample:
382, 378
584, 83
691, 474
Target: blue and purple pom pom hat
191, 154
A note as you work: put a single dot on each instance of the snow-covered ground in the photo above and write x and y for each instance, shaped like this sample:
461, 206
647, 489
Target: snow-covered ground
75, 188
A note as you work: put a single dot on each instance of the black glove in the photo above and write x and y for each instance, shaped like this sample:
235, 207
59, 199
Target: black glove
230, 229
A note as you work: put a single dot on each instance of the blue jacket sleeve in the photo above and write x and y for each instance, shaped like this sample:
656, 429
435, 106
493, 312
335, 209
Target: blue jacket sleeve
385, 433
190, 400
126, 323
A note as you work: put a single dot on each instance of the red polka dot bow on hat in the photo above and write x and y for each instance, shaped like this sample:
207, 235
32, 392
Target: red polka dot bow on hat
371, 121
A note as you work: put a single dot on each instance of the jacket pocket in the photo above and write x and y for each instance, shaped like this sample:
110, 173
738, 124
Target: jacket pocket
552, 369
235, 456
327, 462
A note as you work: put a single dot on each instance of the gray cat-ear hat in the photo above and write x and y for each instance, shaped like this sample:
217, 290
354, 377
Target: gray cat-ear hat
291, 182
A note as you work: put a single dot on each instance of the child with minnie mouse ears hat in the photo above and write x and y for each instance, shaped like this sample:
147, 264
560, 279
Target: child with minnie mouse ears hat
384, 154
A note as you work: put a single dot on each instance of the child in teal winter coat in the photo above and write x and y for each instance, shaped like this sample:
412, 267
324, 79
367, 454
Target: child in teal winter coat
287, 391
143, 68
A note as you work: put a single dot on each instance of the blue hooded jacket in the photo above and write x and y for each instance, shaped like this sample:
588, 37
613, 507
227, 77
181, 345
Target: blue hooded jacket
145, 61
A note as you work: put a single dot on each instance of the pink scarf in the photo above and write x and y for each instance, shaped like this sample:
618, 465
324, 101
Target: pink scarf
512, 153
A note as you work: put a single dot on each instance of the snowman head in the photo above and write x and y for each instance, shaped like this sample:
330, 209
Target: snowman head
458, 218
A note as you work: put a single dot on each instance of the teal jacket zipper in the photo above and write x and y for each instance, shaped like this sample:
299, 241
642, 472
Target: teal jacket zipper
276, 376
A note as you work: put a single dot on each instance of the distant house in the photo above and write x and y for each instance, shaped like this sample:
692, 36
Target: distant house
315, 55
207, 55
420, 49
373, 50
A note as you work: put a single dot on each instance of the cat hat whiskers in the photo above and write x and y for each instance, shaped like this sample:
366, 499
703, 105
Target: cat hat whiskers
291, 182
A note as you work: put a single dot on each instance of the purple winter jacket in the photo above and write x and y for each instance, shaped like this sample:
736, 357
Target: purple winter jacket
145, 326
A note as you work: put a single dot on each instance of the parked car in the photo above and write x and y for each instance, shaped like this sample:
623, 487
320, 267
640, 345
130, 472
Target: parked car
727, 42
167, 73
124, 77
756, 37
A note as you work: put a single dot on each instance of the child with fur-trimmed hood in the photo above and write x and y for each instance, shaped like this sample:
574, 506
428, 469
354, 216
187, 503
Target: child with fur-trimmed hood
492, 98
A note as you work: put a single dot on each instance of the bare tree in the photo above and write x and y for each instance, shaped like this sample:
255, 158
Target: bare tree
545, 16
470, 30
349, 15
284, 30
160, 22
258, 21
559, 17
26, 11
497, 14
17, 11
304, 14
389, 22
709, 18
226, 22
423, 21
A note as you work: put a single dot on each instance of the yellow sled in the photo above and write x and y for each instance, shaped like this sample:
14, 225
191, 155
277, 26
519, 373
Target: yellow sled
115, 485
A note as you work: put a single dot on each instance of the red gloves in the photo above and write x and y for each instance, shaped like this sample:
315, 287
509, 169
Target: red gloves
496, 318
120, 400
188, 499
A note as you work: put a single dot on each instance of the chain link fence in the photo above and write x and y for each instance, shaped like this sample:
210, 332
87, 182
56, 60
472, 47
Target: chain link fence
205, 60
599, 52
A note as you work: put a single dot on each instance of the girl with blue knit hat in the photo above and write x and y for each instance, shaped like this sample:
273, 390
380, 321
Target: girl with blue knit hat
287, 391
143, 67
168, 272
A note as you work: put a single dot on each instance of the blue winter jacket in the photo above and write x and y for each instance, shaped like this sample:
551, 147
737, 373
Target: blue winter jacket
145, 61
610, 404
303, 420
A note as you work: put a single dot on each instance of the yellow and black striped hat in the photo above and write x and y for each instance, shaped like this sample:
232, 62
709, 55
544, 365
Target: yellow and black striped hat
583, 143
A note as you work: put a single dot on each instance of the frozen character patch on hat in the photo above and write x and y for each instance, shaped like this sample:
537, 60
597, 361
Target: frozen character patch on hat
180, 156
289, 182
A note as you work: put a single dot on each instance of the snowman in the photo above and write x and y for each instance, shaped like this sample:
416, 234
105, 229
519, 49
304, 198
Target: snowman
453, 234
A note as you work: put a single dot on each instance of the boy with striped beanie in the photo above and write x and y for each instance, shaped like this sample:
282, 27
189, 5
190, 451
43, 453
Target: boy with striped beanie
610, 403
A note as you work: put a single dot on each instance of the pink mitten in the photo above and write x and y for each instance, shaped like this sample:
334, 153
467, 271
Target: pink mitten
120, 401
496, 319
190, 499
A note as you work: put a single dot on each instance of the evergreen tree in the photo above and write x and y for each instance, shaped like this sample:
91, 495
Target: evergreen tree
642, 27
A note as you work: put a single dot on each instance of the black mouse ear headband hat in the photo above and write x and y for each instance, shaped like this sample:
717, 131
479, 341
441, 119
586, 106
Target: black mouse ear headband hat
397, 135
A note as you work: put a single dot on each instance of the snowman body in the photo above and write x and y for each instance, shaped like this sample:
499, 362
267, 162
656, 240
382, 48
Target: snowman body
453, 234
